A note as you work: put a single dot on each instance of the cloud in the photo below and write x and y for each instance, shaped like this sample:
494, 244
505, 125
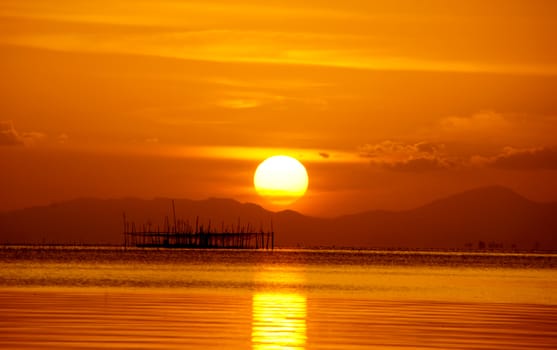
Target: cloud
324, 155
418, 165
255, 33
486, 120
239, 103
480, 136
411, 157
524, 159
477, 140
62, 138
9, 136
486, 126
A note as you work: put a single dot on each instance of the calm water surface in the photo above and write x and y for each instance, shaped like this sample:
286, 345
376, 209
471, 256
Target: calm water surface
90, 298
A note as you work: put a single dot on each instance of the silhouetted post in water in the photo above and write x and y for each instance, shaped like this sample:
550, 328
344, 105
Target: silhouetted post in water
125, 231
181, 235
273, 235
167, 229
174, 215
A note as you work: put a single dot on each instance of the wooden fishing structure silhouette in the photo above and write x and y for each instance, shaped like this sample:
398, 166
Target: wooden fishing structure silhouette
183, 234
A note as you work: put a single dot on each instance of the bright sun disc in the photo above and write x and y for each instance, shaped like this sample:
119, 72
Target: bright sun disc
281, 179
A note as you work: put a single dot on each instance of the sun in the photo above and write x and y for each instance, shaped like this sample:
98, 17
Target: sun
281, 179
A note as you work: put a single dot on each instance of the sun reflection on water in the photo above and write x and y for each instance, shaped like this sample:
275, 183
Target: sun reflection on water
279, 316
279, 321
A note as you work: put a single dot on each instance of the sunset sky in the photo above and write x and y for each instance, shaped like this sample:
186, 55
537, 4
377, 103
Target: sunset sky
389, 104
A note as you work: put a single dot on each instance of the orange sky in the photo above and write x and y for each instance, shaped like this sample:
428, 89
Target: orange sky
389, 104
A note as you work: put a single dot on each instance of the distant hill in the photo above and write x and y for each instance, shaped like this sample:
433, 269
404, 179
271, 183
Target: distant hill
485, 217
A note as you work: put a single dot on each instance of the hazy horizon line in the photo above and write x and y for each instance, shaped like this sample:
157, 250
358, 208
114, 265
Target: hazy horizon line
286, 209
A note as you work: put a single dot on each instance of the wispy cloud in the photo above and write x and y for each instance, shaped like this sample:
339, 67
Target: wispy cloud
269, 48
155, 147
481, 122
9, 136
492, 128
315, 36
521, 159
260, 153
63, 138
412, 157
428, 156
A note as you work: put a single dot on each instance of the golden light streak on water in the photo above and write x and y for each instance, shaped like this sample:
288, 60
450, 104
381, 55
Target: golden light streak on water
279, 321
279, 313
106, 298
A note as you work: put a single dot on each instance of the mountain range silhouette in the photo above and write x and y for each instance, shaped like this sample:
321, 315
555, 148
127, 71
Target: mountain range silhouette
484, 218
